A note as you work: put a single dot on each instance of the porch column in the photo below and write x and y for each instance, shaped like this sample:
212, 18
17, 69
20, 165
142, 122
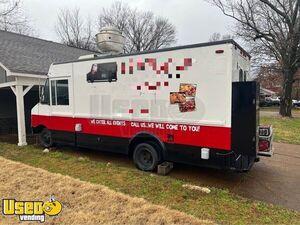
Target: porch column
21, 115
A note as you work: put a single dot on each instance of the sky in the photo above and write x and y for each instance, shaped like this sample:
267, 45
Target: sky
195, 20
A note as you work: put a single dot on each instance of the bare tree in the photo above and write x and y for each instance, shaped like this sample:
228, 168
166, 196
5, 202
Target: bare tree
272, 27
73, 30
12, 18
115, 16
270, 77
218, 36
215, 37
142, 30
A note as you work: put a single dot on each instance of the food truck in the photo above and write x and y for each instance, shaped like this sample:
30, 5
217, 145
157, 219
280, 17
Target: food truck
189, 104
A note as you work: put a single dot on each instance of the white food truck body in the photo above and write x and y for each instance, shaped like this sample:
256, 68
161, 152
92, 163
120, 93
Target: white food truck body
188, 104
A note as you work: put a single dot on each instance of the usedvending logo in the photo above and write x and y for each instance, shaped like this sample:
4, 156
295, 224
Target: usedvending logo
31, 210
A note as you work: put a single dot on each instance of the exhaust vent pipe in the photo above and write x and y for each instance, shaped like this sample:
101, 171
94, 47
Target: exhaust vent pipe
110, 41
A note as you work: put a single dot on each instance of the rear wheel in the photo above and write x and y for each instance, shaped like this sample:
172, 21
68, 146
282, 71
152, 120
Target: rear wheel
146, 157
46, 138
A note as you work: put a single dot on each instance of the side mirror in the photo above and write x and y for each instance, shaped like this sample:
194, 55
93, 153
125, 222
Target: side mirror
42, 96
43, 100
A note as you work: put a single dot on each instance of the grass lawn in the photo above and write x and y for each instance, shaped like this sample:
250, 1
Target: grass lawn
286, 130
220, 205
82, 201
276, 109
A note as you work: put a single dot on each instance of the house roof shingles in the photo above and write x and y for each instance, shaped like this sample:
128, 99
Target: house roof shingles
29, 55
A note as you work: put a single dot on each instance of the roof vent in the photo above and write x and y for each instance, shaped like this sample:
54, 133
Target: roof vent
87, 56
110, 40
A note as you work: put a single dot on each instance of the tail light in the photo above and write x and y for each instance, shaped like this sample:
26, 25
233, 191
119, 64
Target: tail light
265, 141
264, 145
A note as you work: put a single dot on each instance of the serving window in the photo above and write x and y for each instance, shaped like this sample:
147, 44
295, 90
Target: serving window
104, 72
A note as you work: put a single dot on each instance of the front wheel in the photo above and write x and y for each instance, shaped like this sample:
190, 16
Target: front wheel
145, 157
46, 138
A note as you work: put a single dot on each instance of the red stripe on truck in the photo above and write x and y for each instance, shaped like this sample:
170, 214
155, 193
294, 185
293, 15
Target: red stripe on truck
184, 134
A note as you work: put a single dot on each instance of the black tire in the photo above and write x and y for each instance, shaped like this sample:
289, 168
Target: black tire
146, 157
45, 138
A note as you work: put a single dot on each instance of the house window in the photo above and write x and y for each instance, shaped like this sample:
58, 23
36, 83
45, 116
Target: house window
104, 72
60, 92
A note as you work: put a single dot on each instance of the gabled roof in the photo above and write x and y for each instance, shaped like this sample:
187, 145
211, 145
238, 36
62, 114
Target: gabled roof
266, 91
29, 55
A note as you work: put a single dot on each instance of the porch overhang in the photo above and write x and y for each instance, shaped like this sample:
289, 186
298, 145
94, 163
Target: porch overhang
21, 86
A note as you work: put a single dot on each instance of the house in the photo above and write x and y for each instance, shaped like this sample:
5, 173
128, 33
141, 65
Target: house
267, 93
271, 79
24, 64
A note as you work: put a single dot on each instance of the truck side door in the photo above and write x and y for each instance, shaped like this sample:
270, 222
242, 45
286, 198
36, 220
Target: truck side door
62, 121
